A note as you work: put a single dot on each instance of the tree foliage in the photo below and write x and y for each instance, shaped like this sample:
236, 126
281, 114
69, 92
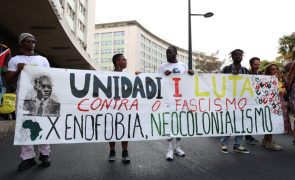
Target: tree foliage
287, 48
265, 63
208, 63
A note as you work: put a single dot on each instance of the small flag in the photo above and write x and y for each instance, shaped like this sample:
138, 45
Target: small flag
3, 56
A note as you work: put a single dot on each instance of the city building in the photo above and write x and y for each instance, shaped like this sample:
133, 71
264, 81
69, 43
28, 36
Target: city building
64, 30
80, 16
144, 51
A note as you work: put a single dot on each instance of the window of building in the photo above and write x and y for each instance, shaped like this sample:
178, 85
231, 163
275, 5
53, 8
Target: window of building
142, 38
106, 43
81, 26
96, 52
105, 59
107, 51
71, 12
119, 50
142, 46
82, 9
106, 35
119, 33
97, 35
82, 43
142, 54
118, 42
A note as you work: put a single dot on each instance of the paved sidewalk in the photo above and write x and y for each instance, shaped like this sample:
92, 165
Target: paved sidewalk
6, 127
203, 161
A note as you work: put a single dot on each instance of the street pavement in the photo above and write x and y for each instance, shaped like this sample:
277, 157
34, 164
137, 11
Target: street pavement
203, 160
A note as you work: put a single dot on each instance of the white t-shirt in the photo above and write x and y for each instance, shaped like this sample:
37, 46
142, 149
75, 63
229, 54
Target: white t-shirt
35, 61
38, 61
178, 67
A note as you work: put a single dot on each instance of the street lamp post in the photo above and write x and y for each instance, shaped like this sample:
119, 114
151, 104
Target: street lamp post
190, 54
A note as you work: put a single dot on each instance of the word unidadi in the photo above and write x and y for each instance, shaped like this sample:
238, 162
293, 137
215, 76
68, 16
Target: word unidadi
118, 87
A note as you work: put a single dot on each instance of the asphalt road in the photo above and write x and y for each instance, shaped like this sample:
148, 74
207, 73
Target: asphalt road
203, 161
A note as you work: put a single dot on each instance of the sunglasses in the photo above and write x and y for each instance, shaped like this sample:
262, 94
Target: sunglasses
30, 41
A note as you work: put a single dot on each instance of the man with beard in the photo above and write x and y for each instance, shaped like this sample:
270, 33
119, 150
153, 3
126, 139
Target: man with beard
254, 69
235, 68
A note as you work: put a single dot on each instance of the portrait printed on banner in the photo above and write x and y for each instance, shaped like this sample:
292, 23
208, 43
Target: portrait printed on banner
40, 101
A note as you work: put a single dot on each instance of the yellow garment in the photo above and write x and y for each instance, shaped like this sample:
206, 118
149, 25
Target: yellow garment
8, 103
282, 87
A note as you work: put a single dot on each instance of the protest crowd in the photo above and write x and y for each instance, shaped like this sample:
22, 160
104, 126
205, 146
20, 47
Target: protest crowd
41, 102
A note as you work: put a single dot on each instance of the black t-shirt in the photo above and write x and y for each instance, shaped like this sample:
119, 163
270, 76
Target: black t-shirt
229, 69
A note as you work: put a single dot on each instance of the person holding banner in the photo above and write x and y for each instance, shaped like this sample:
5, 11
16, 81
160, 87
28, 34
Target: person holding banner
290, 69
16, 64
267, 141
235, 68
254, 65
174, 66
120, 63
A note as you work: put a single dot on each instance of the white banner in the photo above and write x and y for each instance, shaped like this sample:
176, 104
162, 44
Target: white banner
79, 106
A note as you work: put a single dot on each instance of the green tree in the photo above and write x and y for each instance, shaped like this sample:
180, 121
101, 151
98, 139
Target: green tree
208, 63
287, 48
265, 63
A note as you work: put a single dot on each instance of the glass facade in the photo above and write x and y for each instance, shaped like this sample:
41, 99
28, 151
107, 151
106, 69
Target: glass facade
105, 46
145, 51
152, 55
77, 19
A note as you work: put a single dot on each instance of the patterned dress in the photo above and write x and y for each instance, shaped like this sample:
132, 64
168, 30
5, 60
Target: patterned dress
287, 123
292, 97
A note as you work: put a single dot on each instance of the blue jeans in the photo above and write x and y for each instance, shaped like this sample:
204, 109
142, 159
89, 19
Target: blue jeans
237, 140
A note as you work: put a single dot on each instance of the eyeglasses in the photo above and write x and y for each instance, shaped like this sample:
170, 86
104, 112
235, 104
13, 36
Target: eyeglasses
30, 41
